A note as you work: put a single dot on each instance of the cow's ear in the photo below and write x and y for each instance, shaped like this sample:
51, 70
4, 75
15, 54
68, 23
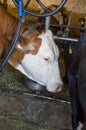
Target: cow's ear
26, 46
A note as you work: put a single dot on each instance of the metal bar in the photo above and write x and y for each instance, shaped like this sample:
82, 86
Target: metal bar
58, 25
65, 26
65, 39
36, 96
47, 22
68, 24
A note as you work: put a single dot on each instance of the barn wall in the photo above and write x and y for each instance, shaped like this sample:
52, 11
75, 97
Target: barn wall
78, 6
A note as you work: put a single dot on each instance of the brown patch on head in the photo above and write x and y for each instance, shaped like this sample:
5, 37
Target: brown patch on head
34, 41
28, 45
16, 58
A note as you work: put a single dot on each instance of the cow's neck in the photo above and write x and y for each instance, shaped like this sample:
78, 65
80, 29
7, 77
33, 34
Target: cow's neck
11, 28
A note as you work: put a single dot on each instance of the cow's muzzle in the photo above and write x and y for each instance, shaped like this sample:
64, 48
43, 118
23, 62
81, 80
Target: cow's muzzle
59, 88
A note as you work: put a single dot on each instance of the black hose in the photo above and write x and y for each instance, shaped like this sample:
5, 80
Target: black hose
45, 14
15, 2
43, 6
11, 48
27, 3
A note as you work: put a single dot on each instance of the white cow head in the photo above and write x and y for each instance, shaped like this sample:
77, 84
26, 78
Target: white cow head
38, 60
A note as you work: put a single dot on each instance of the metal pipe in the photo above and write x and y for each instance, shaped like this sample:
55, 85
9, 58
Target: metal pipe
47, 98
47, 22
65, 39
64, 26
68, 24
36, 96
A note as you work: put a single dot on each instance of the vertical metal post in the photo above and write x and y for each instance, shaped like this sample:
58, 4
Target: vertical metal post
69, 20
47, 22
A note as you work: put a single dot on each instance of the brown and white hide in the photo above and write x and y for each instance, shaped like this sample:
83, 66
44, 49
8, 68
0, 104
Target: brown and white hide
82, 22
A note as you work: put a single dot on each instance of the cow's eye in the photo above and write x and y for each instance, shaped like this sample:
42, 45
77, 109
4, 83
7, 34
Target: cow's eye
47, 59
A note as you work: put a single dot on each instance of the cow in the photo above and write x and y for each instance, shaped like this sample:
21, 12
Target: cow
35, 54
82, 22
77, 83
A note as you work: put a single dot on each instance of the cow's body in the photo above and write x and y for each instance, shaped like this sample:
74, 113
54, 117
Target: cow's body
82, 22
77, 82
35, 54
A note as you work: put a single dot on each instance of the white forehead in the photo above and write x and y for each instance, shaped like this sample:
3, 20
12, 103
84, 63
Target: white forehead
48, 43
46, 35
45, 40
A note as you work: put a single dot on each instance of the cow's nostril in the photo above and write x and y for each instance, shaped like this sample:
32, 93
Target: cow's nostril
46, 58
59, 88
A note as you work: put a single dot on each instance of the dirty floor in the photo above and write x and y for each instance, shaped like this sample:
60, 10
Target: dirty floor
9, 123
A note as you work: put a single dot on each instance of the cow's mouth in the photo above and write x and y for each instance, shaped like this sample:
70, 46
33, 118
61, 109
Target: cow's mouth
38, 87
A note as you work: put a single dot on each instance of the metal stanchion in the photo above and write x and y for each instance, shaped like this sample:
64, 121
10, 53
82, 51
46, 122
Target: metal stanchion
47, 22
